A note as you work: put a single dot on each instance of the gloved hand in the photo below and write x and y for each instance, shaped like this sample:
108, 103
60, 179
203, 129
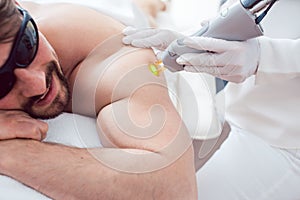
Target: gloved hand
233, 61
149, 37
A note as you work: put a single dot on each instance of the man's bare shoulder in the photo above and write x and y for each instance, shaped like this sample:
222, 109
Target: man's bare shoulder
114, 72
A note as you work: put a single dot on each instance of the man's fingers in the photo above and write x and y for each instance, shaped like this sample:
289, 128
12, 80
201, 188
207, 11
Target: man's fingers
43, 129
33, 129
18, 124
39, 131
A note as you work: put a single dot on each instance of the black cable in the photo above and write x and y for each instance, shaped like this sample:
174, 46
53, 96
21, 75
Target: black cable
262, 15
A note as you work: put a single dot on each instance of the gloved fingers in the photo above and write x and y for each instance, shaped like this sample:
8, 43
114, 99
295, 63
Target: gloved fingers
133, 35
215, 71
224, 73
159, 55
129, 30
140, 33
212, 63
206, 59
151, 41
198, 59
209, 44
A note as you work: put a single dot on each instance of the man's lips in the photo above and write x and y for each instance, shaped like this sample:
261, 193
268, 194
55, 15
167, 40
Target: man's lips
48, 95
45, 94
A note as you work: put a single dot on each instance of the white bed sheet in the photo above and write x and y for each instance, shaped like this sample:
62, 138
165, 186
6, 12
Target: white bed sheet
187, 91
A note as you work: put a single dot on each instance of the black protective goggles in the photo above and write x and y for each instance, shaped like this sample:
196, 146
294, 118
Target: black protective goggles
23, 52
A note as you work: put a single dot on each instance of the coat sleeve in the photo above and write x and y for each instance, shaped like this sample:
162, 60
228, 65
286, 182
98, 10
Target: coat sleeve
279, 60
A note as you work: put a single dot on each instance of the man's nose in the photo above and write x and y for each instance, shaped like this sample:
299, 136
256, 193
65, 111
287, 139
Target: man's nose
30, 82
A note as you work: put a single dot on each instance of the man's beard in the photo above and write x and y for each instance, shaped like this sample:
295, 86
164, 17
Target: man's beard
58, 104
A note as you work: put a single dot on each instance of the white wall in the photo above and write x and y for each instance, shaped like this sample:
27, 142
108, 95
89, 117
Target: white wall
188, 14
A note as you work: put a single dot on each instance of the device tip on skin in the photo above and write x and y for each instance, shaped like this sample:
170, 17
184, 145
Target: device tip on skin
156, 68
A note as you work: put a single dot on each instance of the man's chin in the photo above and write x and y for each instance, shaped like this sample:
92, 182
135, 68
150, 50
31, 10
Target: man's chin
50, 113
47, 116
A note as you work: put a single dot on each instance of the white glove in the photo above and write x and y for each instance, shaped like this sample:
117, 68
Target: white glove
149, 37
233, 61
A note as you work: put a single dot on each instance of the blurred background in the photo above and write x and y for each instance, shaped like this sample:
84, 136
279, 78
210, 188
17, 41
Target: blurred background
187, 15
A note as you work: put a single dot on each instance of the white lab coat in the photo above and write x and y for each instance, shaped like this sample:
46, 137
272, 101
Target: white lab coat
260, 160
268, 104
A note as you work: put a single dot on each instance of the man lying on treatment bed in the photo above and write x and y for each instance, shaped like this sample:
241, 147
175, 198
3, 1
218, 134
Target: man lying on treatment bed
74, 61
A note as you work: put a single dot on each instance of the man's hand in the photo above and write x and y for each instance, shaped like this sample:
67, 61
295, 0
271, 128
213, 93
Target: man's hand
18, 124
229, 60
149, 37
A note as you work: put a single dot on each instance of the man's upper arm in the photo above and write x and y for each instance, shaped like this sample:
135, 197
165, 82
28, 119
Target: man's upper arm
146, 120
138, 113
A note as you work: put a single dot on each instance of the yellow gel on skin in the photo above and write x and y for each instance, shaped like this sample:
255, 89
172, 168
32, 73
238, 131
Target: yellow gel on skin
156, 68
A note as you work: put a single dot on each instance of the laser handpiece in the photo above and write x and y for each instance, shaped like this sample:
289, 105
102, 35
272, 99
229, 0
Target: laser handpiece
238, 22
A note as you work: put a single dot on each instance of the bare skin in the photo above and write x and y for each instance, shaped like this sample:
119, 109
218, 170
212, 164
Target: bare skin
44, 166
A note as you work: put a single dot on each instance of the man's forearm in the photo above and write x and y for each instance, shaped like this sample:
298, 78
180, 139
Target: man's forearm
70, 173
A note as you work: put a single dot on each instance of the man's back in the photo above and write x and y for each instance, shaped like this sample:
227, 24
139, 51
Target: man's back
72, 30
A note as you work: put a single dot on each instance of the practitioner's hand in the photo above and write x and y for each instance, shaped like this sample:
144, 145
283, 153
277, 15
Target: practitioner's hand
149, 37
229, 60
18, 124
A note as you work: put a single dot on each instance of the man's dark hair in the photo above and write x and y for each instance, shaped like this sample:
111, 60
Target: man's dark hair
9, 20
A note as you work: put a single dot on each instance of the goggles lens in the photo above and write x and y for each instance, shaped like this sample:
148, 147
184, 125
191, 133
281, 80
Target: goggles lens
27, 48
